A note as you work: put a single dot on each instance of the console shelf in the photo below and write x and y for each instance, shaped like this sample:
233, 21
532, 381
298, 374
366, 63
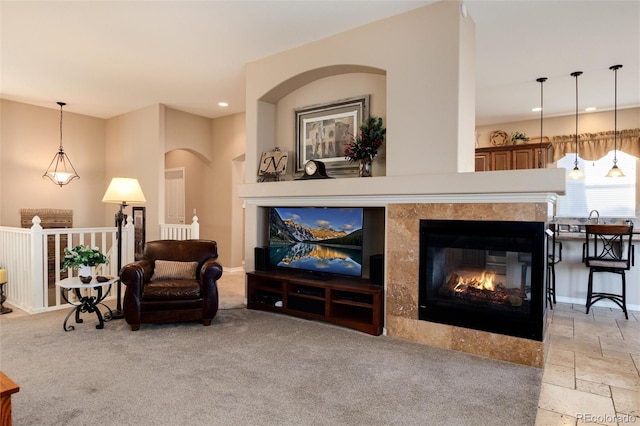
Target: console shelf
349, 302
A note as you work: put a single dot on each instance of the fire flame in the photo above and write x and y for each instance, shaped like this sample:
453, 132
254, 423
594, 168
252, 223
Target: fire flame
483, 282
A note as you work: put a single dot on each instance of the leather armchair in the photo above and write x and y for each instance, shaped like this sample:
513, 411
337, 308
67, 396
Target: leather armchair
152, 296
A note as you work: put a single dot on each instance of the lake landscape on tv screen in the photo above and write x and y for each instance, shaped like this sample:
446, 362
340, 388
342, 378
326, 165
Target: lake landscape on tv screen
322, 240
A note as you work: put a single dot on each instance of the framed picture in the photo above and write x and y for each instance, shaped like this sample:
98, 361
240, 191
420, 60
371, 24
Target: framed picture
139, 230
273, 165
322, 131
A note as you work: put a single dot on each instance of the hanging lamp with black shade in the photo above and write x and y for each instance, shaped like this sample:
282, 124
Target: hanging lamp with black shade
541, 80
576, 173
60, 170
615, 170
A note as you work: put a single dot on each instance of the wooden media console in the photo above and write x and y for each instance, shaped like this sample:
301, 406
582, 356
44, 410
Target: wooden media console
349, 302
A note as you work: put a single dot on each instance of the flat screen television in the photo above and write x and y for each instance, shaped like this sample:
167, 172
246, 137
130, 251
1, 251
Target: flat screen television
319, 241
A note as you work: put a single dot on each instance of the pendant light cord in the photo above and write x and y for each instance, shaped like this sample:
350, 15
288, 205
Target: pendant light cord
576, 74
61, 105
541, 80
615, 69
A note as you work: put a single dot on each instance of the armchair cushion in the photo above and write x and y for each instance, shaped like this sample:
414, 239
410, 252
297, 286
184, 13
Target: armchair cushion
171, 270
172, 289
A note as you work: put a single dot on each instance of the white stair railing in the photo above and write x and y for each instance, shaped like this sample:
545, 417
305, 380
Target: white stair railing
180, 231
32, 258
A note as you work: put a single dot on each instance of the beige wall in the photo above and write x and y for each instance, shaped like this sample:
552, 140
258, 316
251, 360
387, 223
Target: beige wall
421, 52
210, 184
228, 136
136, 150
129, 145
29, 138
197, 172
188, 131
189, 145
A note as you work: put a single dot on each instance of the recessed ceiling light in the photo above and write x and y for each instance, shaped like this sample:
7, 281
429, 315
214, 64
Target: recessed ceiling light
223, 104
590, 109
536, 109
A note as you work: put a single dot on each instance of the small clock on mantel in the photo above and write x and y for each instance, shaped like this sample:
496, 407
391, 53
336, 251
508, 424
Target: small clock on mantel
314, 169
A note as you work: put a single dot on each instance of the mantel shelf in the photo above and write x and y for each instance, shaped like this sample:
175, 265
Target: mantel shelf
500, 186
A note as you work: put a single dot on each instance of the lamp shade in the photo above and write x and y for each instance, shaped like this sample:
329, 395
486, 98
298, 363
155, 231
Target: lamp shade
576, 173
615, 172
124, 191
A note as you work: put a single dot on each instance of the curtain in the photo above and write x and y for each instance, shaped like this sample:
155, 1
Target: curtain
594, 146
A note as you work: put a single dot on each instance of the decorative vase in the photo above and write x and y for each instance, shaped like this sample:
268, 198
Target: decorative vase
84, 273
364, 169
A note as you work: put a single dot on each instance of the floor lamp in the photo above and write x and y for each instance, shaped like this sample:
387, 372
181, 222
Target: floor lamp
123, 191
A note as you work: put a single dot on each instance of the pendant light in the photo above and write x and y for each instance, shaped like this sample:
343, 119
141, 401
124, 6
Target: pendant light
615, 170
541, 80
576, 173
60, 170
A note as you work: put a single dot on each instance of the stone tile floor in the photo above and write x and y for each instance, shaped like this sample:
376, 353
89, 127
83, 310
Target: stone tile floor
592, 370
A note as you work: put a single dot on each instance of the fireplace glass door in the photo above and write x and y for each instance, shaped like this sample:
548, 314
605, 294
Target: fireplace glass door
484, 275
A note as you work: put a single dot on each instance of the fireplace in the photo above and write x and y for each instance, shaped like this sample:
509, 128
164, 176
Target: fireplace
483, 275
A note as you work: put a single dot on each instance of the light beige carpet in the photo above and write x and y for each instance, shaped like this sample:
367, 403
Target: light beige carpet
250, 368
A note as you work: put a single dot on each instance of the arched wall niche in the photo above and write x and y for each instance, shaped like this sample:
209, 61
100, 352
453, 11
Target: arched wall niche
302, 79
194, 152
276, 109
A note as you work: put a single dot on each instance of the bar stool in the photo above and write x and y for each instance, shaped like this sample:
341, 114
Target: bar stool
554, 256
608, 248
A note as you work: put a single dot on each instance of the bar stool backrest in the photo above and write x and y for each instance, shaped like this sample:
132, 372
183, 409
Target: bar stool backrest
555, 246
608, 246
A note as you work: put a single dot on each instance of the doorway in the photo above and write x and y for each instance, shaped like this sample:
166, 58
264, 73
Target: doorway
174, 196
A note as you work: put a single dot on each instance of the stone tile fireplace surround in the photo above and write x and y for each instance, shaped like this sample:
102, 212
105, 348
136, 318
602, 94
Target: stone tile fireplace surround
524, 195
402, 280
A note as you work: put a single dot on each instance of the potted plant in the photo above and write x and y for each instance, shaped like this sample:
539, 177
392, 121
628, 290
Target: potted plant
364, 148
517, 137
82, 258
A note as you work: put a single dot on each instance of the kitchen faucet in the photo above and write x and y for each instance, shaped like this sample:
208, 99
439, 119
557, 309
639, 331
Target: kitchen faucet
597, 215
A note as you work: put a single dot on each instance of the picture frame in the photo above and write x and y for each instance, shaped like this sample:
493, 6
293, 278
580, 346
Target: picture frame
323, 130
273, 165
139, 230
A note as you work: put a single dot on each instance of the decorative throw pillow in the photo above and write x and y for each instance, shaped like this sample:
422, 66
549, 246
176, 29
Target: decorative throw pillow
170, 270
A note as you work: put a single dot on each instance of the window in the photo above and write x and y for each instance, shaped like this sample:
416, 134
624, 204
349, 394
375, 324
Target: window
612, 197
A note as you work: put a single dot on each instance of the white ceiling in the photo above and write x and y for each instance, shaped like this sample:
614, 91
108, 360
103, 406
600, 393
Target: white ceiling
105, 58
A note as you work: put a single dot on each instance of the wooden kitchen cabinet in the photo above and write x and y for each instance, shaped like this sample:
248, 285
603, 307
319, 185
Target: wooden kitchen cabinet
511, 157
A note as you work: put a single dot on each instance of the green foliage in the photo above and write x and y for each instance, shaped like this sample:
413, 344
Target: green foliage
82, 255
365, 146
517, 136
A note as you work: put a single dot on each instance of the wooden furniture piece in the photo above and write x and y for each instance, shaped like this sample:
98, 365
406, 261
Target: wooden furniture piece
511, 157
348, 302
7, 388
608, 248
